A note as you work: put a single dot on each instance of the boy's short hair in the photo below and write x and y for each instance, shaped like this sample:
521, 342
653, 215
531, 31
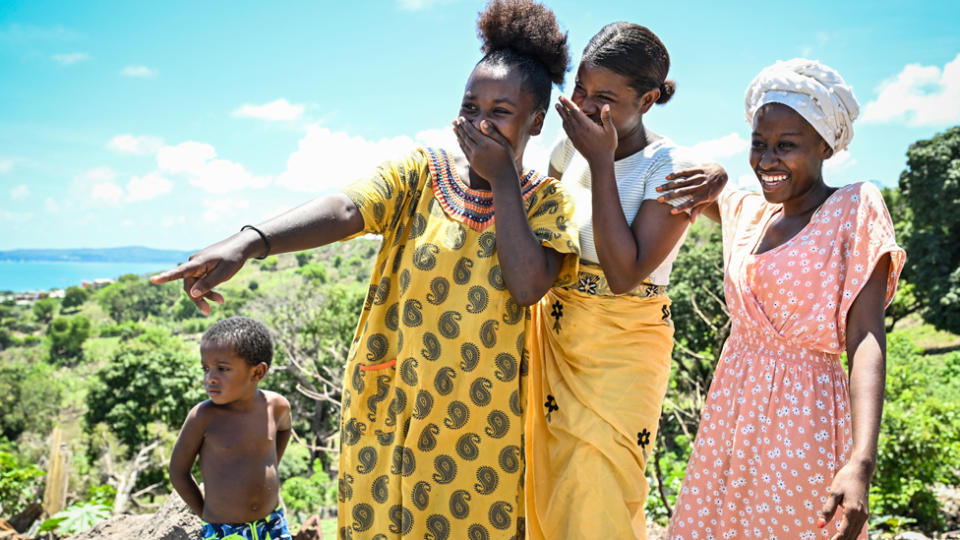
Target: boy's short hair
249, 338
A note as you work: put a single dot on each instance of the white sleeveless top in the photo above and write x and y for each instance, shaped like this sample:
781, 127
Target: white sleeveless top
637, 176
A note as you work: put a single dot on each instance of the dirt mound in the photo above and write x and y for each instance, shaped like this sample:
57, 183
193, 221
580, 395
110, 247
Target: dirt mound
172, 521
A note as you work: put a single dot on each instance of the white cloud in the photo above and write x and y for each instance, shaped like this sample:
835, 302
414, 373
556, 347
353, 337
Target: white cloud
723, 147
6, 165
70, 58
130, 144
103, 174
840, 161
144, 188
919, 95
20, 192
142, 72
51, 205
326, 160
107, 192
276, 111
170, 221
219, 208
185, 157
196, 161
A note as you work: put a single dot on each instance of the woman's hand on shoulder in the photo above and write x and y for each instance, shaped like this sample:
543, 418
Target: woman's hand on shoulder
702, 184
595, 142
210, 267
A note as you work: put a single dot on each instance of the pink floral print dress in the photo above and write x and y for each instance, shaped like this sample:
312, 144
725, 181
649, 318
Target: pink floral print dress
776, 425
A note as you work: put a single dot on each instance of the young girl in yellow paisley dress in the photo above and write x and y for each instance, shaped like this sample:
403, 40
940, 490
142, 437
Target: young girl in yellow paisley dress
434, 391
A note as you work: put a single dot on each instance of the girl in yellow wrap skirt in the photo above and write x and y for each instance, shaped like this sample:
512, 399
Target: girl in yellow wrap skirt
600, 354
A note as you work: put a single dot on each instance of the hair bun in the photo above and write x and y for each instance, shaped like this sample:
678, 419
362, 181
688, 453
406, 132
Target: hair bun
528, 29
667, 89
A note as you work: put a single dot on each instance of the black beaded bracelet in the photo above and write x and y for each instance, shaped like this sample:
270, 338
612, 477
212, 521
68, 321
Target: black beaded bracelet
262, 237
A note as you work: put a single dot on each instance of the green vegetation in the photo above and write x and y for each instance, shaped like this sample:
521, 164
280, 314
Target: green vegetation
117, 369
928, 215
67, 335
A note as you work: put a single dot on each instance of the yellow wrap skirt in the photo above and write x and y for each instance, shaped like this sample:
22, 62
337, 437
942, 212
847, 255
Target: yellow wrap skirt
599, 370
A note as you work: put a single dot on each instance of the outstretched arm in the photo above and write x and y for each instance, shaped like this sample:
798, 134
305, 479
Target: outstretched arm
182, 459
313, 224
866, 357
529, 268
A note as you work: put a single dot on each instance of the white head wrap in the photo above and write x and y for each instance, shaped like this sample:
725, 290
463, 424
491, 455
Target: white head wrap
814, 90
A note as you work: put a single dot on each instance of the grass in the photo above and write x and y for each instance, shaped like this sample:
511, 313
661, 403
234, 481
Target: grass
925, 335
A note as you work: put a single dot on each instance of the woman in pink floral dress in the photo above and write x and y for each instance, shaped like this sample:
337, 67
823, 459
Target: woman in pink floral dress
787, 442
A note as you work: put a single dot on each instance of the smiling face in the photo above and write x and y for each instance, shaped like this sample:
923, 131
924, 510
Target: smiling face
496, 93
226, 376
786, 153
598, 86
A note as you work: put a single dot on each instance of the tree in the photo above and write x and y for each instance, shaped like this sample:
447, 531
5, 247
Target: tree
74, 297
303, 257
133, 298
19, 483
930, 187
151, 378
314, 271
30, 396
313, 328
66, 336
43, 309
270, 263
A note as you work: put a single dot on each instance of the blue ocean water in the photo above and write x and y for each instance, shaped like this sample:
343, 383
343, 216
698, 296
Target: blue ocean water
41, 276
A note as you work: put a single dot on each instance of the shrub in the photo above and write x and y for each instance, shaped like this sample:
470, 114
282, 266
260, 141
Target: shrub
74, 297
314, 271
921, 420
153, 378
270, 263
19, 484
30, 397
43, 309
305, 496
303, 257
67, 335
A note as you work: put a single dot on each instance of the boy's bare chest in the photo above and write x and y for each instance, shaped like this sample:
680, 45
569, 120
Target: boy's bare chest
241, 435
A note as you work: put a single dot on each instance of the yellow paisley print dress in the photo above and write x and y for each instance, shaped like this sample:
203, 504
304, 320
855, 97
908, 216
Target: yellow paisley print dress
435, 385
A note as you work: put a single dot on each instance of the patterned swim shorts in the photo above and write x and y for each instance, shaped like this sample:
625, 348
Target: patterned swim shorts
272, 527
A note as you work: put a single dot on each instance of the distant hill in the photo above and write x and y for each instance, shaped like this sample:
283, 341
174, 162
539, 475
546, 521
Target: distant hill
127, 254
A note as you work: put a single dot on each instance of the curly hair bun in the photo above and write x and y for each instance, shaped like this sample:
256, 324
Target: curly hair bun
528, 29
667, 90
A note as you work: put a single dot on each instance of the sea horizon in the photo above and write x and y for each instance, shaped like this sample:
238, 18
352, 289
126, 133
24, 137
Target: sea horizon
26, 276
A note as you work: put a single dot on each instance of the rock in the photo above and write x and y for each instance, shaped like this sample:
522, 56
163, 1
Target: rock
912, 536
656, 532
949, 499
310, 530
22, 521
7, 532
172, 521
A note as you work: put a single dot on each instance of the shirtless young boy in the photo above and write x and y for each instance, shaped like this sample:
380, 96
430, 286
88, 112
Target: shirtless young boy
239, 434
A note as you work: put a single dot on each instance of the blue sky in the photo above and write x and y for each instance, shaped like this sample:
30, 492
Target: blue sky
172, 124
